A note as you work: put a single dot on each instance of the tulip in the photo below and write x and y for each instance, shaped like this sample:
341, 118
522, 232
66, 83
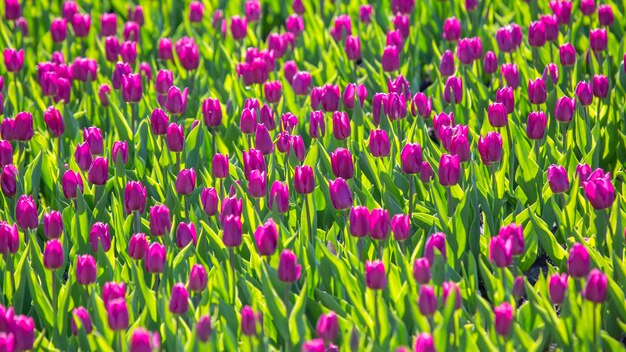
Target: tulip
600, 192
143, 340
327, 327
185, 234
160, 222
557, 178
379, 143
8, 179
598, 39
421, 270
505, 95
164, 81
353, 48
390, 59
186, 181
511, 75
441, 120
500, 251
426, 172
605, 15
288, 268
578, 261
257, 184
203, 328
395, 106
289, 121
375, 275
446, 64
131, 88
537, 91
175, 137
449, 170
497, 115
108, 24
134, 197
231, 226
427, 301
12, 10
564, 109
536, 125
248, 321
155, 258
557, 288
266, 238
179, 300
340, 194
378, 103
394, 38
515, 235
424, 343
13, 60
99, 235
138, 246
164, 51
54, 121
112, 49
537, 34
453, 90
187, 52
352, 91
304, 179
23, 330
6, 153
80, 314
220, 166
490, 148
85, 269
596, 288
600, 86
411, 158
342, 164
365, 13
438, 241
503, 319
209, 201
128, 51
464, 51
301, 82
518, 287
451, 29
53, 256
567, 54
584, 93
421, 105
279, 197
70, 183
253, 160
490, 64
401, 227
196, 11
26, 213
359, 221
117, 314
238, 27
81, 24
551, 71
53, 224
112, 291
9, 238
379, 224
58, 30
273, 91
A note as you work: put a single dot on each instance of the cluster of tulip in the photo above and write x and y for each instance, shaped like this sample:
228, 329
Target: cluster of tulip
187, 200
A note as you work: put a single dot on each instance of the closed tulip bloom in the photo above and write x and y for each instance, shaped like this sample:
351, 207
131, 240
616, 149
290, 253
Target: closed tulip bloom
453, 90
426, 172
567, 54
427, 301
340, 194
359, 221
600, 192
263, 140
395, 106
378, 103
231, 226
238, 27
537, 34
198, 278
23, 330
132, 89
253, 160
12, 10
451, 29
578, 261
266, 117
48, 83
266, 238
160, 222
179, 300
143, 341
441, 120
421, 270
301, 83
212, 112
352, 90
257, 184
598, 39
506, 96
297, 145
26, 213
605, 15
380, 224
329, 97
551, 25
273, 91
537, 91
497, 115
155, 258
401, 227
557, 288
500, 252
231, 206
477, 47
584, 93
375, 277
435, 241
203, 328
379, 143
248, 321
390, 59
551, 71
188, 54
504, 319
490, 148
53, 256
518, 289
80, 314
53, 224
117, 314
13, 60
54, 121
411, 157
424, 343
176, 103
196, 11
279, 197
99, 235
58, 30
186, 181
164, 81
93, 137
209, 201
185, 234
557, 178
511, 75
304, 179
9, 238
504, 40
6, 153
596, 288
8, 179
536, 125
175, 137
353, 48
108, 24
70, 183
342, 164
120, 150
134, 197
327, 327
128, 52
121, 69
490, 63
220, 166
515, 235
446, 64
464, 52
138, 246
600, 86
449, 170
248, 121
562, 9
86, 270
112, 290
421, 105
288, 268
394, 38
164, 51
587, 7
81, 24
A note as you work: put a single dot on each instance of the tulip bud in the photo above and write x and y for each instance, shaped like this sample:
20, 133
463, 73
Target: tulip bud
557, 178
353, 48
80, 314
143, 340
600, 86
446, 64
411, 157
365, 13
490, 64
175, 137
511, 75
537, 34
598, 39
401, 227
327, 327
375, 275
464, 51
58, 30
185, 234
86, 270
188, 54
379, 224
379, 143
426, 172
427, 301
198, 278
6, 153
257, 184
112, 49
248, 321
203, 328
238, 27
155, 258
506, 96
584, 93
53, 119
53, 224
578, 261
301, 82
13, 60
390, 59
490, 148
186, 181
605, 15
9, 238
421, 270
231, 227
26, 213
340, 194
220, 166
273, 91
587, 7
342, 165
537, 91
288, 268
438, 241
160, 222
497, 115
551, 71
453, 90
503, 319
304, 179
165, 49
500, 251
451, 29
449, 170
138, 246
132, 89
266, 238
279, 197
196, 11
23, 330
424, 343
117, 313
99, 235
359, 221
176, 103
8, 179
421, 105
53, 256
557, 288
134, 197
536, 125
599, 191
395, 106
209, 201
70, 182
567, 54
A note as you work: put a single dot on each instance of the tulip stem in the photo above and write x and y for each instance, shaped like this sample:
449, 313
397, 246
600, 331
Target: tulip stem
512, 157
609, 230
308, 218
376, 321
232, 266
9, 261
410, 196
450, 205
564, 137
177, 162
137, 221
214, 141
54, 292
186, 200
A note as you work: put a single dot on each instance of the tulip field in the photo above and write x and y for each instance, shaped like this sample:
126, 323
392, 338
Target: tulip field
304, 175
